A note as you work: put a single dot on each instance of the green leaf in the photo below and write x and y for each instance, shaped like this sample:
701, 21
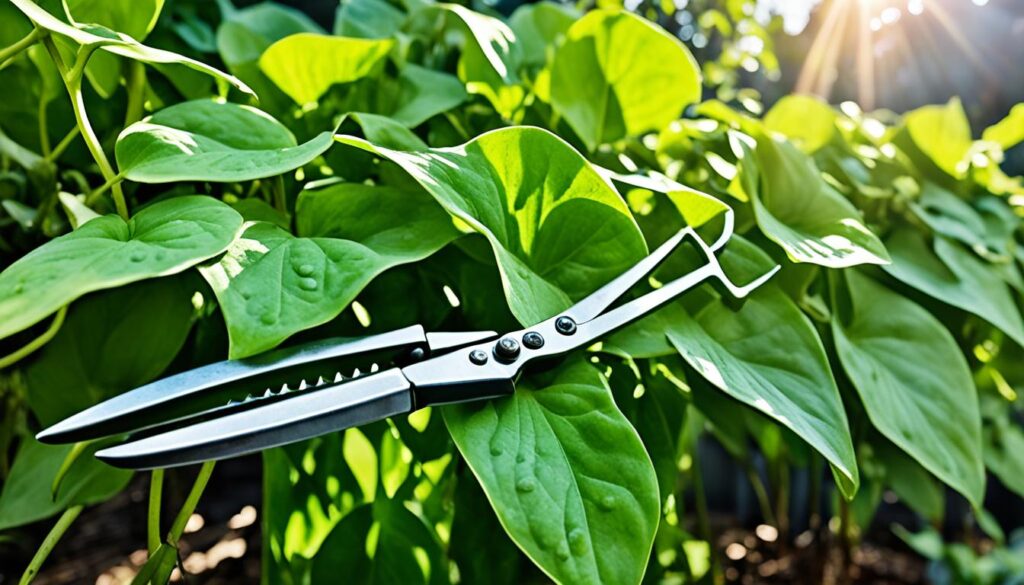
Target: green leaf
567, 475
490, 58
943, 134
768, 356
475, 522
424, 93
928, 407
272, 284
956, 277
205, 140
911, 483
111, 341
381, 544
539, 28
245, 34
619, 75
162, 239
1004, 453
78, 213
807, 120
119, 43
367, 19
1009, 131
557, 229
26, 494
803, 214
306, 65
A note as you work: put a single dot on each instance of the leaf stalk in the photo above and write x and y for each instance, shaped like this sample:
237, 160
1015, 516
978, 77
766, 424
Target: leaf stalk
51, 540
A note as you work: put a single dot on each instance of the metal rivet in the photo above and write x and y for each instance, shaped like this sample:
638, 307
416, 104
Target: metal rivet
507, 349
478, 357
533, 340
565, 325
417, 354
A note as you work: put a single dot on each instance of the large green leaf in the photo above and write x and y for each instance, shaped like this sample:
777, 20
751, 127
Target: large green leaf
803, 214
110, 342
165, 238
943, 134
272, 284
915, 384
557, 229
205, 140
619, 75
26, 493
306, 65
954, 276
490, 57
807, 120
539, 28
118, 43
767, 355
566, 473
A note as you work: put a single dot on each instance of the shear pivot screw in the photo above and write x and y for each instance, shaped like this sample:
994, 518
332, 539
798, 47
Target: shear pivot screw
478, 357
507, 349
533, 340
565, 325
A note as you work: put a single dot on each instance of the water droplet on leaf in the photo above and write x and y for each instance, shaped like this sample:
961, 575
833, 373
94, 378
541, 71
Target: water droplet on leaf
137, 256
527, 484
305, 270
608, 503
308, 284
578, 541
495, 450
563, 552
268, 318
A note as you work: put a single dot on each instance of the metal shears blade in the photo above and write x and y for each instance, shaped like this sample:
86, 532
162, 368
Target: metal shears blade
184, 418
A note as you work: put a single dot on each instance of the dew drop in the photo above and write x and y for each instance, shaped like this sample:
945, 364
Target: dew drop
304, 270
246, 295
137, 256
520, 458
495, 450
608, 503
268, 318
18, 288
160, 255
562, 552
578, 542
307, 284
526, 485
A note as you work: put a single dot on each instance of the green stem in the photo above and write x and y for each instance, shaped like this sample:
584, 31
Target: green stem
44, 129
108, 184
280, 201
63, 144
49, 542
73, 83
156, 489
13, 358
135, 84
190, 504
703, 520
761, 493
24, 43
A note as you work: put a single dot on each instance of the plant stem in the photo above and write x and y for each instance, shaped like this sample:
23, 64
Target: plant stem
761, 493
13, 358
703, 521
73, 83
156, 489
44, 129
190, 503
63, 144
22, 44
845, 541
108, 184
135, 83
49, 542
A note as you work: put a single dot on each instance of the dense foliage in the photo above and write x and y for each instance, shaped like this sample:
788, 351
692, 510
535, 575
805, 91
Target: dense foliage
427, 163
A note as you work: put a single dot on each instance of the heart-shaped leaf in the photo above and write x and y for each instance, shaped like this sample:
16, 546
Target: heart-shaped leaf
807, 120
802, 213
767, 355
424, 93
164, 238
566, 473
306, 65
367, 19
619, 75
951, 274
557, 229
928, 407
272, 284
205, 140
119, 43
943, 134
1009, 131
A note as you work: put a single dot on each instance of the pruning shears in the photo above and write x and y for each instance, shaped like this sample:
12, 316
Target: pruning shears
211, 412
